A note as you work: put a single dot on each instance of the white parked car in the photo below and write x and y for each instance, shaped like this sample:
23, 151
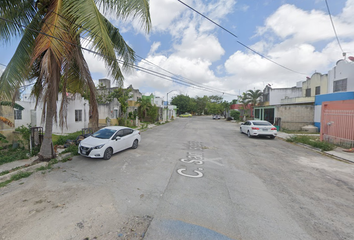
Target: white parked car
255, 128
109, 140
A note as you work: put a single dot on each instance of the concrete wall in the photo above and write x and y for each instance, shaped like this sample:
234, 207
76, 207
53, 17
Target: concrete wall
277, 94
108, 111
293, 117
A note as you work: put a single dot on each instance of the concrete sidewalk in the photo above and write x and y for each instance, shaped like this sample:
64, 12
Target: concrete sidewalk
337, 153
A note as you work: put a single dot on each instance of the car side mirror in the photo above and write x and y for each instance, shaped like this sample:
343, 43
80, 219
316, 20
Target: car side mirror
118, 138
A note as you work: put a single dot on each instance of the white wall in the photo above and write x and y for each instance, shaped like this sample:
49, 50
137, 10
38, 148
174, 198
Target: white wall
74, 103
277, 94
343, 70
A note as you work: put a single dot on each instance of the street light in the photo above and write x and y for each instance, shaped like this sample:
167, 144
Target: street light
167, 104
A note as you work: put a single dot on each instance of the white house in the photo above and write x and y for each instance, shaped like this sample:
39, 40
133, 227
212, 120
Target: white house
340, 86
77, 114
341, 77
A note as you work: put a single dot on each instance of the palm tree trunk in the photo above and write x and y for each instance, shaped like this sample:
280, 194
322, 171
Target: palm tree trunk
47, 150
52, 78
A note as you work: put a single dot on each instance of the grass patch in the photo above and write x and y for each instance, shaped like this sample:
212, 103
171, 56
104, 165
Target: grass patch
16, 177
10, 154
297, 132
61, 139
312, 141
73, 149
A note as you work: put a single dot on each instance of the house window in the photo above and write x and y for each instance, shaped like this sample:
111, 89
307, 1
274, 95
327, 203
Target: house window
78, 115
340, 85
17, 114
308, 92
115, 115
318, 90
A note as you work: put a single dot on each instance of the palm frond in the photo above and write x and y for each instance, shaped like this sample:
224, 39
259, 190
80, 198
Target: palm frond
7, 121
15, 13
18, 69
129, 8
94, 26
52, 35
122, 48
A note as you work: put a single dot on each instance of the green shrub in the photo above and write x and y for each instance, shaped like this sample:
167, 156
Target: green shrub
235, 114
62, 139
71, 149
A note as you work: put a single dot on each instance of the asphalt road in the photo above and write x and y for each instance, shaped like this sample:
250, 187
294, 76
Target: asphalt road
193, 178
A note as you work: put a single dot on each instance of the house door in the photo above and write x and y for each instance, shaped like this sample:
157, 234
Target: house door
269, 115
33, 118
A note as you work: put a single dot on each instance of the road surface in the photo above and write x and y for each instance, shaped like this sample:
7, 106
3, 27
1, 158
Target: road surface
193, 178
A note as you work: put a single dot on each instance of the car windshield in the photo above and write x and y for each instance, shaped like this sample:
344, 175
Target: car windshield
262, 123
104, 133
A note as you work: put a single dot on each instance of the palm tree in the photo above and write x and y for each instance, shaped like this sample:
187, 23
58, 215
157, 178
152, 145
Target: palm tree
50, 52
254, 96
144, 106
244, 101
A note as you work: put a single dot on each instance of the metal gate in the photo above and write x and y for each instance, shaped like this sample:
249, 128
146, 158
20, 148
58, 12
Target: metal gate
337, 123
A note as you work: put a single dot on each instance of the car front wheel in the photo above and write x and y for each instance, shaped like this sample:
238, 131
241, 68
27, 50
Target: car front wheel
108, 154
272, 137
135, 144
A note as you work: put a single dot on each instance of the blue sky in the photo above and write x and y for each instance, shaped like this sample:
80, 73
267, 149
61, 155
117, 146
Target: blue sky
296, 34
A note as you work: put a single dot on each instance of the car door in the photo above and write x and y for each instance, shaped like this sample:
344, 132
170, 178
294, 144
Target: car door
246, 127
117, 141
128, 137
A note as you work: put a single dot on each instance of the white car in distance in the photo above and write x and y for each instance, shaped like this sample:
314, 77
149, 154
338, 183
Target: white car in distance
109, 140
255, 128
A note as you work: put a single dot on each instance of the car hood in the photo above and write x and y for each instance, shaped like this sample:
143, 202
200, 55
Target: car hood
93, 142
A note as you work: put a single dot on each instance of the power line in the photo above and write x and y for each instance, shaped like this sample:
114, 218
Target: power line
244, 45
334, 29
173, 74
148, 71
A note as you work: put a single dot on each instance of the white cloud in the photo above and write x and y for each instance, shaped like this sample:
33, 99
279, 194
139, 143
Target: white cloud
290, 22
196, 45
163, 12
154, 47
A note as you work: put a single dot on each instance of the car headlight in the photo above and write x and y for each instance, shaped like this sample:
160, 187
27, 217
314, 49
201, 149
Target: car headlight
98, 147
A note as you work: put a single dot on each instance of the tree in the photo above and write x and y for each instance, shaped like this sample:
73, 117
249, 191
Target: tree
215, 99
122, 95
144, 105
201, 104
254, 96
182, 102
53, 55
244, 100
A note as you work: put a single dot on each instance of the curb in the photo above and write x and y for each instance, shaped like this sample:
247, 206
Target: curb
320, 151
25, 169
31, 167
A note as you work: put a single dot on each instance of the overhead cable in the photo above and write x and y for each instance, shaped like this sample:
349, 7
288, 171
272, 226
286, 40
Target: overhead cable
254, 51
334, 29
148, 71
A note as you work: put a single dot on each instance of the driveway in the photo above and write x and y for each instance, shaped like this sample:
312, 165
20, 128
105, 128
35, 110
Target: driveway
193, 178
